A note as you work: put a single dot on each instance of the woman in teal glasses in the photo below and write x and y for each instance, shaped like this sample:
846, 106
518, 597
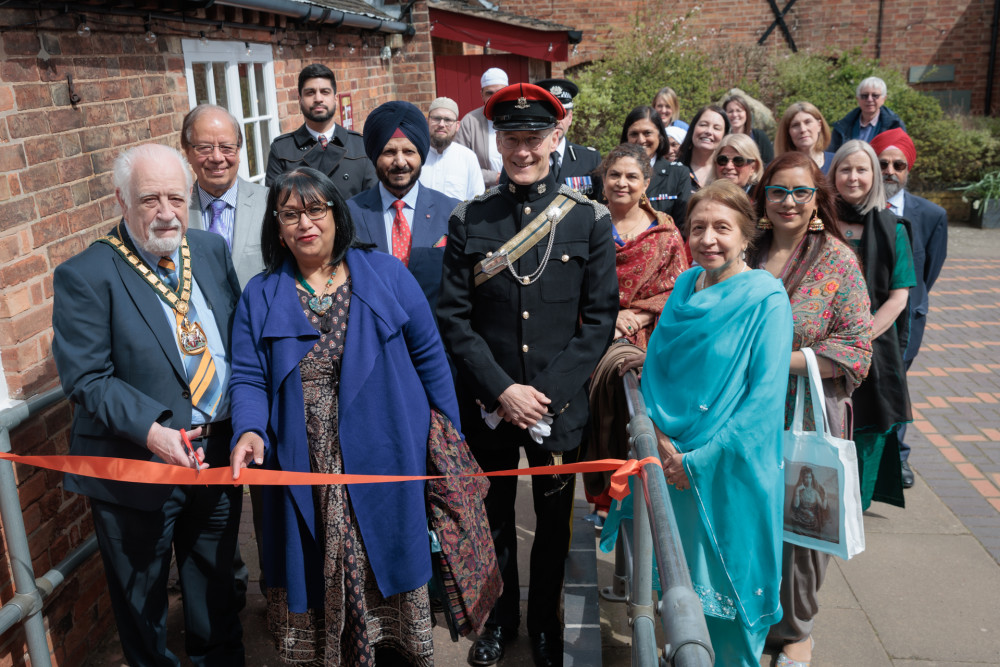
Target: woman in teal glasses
801, 244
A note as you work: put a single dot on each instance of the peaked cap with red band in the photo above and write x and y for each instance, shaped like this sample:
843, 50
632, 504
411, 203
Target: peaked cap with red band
524, 107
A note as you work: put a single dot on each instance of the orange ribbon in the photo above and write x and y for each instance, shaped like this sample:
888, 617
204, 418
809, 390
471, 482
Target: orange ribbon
619, 479
151, 472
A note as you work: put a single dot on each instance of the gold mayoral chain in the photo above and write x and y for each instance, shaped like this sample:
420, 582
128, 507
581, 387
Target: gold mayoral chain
190, 335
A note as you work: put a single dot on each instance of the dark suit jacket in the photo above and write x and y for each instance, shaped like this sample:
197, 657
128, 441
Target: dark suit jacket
251, 205
344, 159
118, 360
550, 333
430, 225
670, 188
929, 226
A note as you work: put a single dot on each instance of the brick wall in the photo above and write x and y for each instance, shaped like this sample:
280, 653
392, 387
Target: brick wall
56, 197
914, 33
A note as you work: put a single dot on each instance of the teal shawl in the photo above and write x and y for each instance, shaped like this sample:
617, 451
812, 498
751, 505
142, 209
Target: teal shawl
714, 380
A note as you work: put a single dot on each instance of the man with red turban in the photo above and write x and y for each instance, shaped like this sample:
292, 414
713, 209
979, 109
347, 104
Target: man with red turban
929, 223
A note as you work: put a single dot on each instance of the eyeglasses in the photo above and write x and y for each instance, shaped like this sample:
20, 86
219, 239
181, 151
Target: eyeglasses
870, 96
738, 161
897, 165
292, 216
204, 150
438, 120
777, 194
511, 142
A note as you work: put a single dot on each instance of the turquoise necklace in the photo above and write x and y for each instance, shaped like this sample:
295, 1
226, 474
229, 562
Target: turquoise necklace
319, 304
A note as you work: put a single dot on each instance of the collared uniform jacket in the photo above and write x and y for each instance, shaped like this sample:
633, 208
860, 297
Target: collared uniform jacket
344, 159
550, 333
393, 371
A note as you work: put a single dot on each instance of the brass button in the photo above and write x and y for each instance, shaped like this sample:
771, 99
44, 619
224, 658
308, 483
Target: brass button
525, 280
527, 210
524, 348
489, 254
524, 315
564, 258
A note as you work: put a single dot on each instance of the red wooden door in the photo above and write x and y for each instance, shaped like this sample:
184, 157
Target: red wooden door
458, 76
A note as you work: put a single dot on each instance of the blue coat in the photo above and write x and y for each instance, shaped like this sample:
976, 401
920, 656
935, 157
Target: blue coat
430, 225
847, 128
394, 369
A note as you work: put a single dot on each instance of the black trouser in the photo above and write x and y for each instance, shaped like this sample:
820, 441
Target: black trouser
201, 525
553, 516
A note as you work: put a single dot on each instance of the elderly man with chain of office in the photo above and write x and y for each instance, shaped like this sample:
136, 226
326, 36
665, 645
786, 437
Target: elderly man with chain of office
527, 307
141, 322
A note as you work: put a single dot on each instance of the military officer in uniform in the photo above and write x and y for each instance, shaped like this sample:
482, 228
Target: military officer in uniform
320, 143
571, 163
528, 303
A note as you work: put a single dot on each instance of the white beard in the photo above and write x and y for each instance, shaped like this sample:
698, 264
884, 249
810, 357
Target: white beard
157, 245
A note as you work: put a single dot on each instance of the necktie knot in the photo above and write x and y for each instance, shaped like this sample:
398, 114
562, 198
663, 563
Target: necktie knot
169, 270
399, 205
217, 206
323, 141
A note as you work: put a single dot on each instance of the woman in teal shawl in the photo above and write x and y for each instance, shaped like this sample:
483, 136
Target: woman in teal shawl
714, 382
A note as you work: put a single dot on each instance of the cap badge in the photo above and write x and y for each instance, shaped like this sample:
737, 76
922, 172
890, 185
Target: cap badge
556, 90
522, 103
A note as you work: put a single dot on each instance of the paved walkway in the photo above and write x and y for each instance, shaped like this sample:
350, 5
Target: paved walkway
927, 589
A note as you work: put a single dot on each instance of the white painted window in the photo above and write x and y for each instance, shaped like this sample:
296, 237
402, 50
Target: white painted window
240, 79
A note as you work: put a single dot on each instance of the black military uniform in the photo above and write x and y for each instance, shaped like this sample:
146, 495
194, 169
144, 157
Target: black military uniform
547, 332
576, 164
670, 189
343, 160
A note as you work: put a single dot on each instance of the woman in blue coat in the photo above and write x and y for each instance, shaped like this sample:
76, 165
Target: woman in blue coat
337, 364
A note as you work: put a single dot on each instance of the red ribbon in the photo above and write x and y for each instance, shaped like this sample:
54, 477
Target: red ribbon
619, 479
151, 472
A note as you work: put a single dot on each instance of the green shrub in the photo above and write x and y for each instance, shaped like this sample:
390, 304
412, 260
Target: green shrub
661, 51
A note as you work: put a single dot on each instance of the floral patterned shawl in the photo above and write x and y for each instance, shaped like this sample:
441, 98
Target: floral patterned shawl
832, 315
647, 268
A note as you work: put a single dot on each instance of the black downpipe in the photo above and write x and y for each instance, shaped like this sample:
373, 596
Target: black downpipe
991, 65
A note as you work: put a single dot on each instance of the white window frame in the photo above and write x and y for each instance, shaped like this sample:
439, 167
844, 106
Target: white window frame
234, 54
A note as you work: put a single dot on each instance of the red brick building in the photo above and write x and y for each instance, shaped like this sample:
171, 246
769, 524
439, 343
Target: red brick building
78, 83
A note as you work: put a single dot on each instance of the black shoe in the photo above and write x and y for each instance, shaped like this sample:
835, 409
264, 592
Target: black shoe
547, 649
488, 649
907, 474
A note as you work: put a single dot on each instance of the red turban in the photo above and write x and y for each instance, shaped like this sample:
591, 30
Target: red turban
896, 138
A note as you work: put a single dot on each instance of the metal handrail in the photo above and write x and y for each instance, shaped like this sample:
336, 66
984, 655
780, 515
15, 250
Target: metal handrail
653, 530
26, 605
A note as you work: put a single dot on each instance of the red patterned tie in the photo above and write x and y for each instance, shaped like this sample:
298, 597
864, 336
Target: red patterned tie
323, 141
400, 234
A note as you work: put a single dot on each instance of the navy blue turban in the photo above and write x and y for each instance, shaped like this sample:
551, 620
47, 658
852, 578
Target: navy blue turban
383, 123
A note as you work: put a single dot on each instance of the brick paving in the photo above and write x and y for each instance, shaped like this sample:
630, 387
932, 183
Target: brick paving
955, 388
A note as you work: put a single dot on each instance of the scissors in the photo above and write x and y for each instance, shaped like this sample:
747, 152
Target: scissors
191, 451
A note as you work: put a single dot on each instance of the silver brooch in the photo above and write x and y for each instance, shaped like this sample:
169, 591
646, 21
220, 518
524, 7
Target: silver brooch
703, 408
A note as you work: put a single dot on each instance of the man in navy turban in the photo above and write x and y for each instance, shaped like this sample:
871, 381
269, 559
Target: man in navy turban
399, 216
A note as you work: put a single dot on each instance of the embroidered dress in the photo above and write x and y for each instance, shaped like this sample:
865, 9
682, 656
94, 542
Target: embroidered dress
714, 381
355, 618
647, 268
831, 314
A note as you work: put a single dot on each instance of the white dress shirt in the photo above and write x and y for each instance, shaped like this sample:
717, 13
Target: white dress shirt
455, 172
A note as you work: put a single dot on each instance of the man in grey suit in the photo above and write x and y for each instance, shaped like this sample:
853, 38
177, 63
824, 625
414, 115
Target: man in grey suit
221, 201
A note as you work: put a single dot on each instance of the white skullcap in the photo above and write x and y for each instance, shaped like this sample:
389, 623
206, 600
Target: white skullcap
492, 77
676, 133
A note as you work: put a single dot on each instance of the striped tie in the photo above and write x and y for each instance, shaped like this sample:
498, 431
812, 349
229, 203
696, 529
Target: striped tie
203, 381
323, 141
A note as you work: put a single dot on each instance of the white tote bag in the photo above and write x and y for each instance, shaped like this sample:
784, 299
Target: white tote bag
822, 492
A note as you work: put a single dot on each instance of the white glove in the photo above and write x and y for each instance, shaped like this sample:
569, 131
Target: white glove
541, 429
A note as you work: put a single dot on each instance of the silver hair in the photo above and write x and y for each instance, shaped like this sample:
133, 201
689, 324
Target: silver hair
876, 196
124, 167
872, 82
192, 117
